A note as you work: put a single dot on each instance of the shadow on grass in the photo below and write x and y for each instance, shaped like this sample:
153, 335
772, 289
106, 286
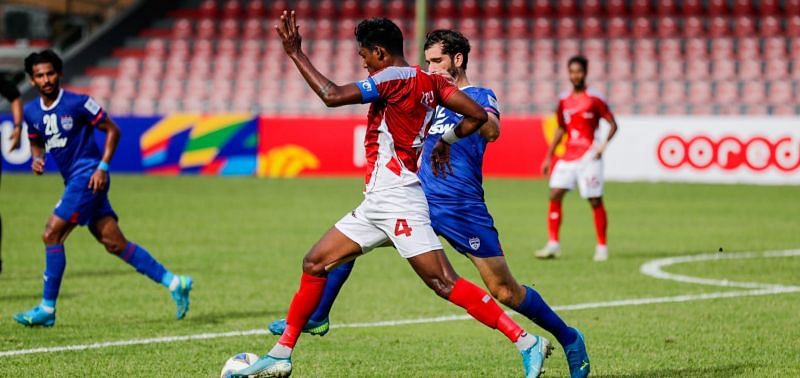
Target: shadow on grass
708, 371
220, 317
98, 273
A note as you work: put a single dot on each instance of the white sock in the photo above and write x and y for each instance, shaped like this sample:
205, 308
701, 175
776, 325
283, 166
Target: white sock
47, 309
525, 341
280, 351
174, 283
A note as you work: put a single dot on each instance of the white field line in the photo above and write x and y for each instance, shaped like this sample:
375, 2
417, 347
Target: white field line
652, 268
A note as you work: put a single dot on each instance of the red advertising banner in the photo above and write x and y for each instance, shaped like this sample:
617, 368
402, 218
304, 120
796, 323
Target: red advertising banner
335, 146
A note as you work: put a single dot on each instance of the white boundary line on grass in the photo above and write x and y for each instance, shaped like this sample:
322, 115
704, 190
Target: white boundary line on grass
651, 268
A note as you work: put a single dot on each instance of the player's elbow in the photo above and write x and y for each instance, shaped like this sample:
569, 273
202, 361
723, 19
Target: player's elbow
482, 117
491, 134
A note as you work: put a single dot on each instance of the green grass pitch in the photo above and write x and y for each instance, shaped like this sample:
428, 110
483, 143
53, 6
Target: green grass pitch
243, 240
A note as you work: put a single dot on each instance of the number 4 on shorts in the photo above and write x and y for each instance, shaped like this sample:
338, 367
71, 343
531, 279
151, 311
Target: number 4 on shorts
402, 228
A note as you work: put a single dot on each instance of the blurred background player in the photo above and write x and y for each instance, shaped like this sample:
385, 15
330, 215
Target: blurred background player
458, 209
62, 123
394, 210
578, 113
11, 94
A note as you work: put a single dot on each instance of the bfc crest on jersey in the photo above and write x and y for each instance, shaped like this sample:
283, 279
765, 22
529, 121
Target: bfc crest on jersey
66, 122
475, 243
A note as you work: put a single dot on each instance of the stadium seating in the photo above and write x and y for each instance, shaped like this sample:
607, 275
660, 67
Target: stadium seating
650, 57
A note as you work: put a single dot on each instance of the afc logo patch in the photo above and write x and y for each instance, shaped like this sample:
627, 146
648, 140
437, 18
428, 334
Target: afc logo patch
66, 122
475, 243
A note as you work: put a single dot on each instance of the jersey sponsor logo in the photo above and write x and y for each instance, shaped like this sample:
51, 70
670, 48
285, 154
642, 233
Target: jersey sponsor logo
366, 85
57, 141
475, 243
92, 106
428, 99
729, 153
66, 122
440, 124
588, 115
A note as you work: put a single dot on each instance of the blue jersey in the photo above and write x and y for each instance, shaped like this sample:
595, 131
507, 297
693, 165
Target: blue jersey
465, 184
66, 129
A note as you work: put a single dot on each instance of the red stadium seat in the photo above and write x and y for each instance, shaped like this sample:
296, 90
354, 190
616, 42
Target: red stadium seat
255, 9
519, 70
398, 9
776, 69
120, 106
542, 28
673, 92
568, 48
544, 49
641, 8
616, 8
775, 48
155, 47
374, 8
619, 69
619, 48
518, 8
276, 7
699, 92
785, 110
595, 49
592, 8
206, 29
671, 69
567, 8
719, 27
621, 92
666, 8
717, 7
697, 69
769, 7
722, 48
645, 70
202, 48
726, 92
592, 27
519, 49
793, 26
702, 109
642, 28
780, 92
469, 27
567, 28
208, 9
518, 28
489, 8
754, 92
644, 48
492, 28
693, 27
128, 67
181, 28
692, 8
304, 9
351, 9
543, 70
444, 23
696, 48
229, 29
791, 7
542, 8
647, 92
346, 27
667, 27
724, 69
744, 26
748, 49
742, 7
544, 94
617, 27
443, 9
670, 49
232, 9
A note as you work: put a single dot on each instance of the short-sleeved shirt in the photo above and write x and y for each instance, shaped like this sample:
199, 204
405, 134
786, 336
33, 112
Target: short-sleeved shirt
66, 128
465, 183
580, 114
403, 100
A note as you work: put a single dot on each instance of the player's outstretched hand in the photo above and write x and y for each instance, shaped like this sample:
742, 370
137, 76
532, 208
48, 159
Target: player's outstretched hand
38, 166
440, 159
289, 32
98, 180
546, 166
15, 138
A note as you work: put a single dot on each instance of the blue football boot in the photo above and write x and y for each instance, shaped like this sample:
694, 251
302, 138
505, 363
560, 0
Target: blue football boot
314, 328
181, 296
36, 317
266, 366
577, 357
533, 357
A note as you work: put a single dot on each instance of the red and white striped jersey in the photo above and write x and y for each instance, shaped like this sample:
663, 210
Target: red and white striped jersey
403, 103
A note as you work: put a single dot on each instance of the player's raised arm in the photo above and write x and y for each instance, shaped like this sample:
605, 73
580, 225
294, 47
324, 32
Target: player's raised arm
331, 94
99, 179
474, 117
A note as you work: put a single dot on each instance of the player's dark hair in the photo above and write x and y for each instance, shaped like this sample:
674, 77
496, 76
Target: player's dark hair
380, 32
580, 59
44, 56
452, 42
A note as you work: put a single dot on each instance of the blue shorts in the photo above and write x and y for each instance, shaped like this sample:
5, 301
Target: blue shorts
80, 206
469, 228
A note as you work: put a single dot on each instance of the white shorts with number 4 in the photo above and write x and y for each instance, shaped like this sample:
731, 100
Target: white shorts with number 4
398, 214
586, 172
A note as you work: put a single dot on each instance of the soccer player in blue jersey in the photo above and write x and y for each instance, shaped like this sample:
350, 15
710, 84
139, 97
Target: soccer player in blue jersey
63, 123
458, 210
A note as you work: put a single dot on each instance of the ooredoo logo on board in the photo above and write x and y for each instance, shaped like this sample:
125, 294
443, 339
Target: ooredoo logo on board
729, 153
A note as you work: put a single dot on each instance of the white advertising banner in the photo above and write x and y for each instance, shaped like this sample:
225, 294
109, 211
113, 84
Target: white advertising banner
754, 150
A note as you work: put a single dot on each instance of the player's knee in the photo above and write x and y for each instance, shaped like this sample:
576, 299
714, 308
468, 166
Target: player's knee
442, 286
596, 202
313, 266
504, 293
50, 237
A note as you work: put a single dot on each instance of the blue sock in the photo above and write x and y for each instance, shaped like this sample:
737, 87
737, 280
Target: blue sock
336, 279
145, 264
537, 310
55, 263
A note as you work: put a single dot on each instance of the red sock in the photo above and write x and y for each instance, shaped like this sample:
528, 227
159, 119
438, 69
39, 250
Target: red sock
304, 303
554, 220
483, 308
600, 223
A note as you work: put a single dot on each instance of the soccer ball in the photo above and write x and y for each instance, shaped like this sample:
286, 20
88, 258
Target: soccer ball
238, 362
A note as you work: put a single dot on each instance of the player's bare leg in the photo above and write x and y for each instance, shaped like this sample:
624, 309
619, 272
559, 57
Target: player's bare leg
601, 227
44, 314
554, 215
107, 232
435, 269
